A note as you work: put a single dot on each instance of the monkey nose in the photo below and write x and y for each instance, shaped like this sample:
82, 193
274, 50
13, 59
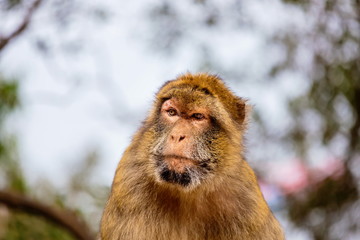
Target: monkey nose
177, 138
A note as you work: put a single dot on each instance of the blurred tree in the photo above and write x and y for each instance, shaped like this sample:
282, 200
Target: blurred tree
21, 224
8, 158
329, 208
10, 4
31, 219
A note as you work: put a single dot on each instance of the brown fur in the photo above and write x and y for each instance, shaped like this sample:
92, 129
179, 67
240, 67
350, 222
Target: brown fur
225, 204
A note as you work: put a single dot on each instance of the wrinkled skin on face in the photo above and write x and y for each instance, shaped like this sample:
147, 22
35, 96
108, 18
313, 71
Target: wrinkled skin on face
184, 152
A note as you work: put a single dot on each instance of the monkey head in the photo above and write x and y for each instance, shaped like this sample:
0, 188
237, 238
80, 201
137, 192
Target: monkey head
196, 122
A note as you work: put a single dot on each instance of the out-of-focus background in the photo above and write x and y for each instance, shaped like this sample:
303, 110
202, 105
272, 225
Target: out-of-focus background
77, 78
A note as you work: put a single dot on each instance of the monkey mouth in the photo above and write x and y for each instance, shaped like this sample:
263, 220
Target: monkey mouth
181, 170
178, 163
176, 169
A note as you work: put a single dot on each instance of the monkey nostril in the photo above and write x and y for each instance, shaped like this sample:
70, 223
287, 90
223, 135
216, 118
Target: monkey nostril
181, 138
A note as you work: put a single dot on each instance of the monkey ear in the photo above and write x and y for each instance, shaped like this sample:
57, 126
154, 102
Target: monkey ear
243, 111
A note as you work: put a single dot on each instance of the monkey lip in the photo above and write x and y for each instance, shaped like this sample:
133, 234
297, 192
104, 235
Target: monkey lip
178, 163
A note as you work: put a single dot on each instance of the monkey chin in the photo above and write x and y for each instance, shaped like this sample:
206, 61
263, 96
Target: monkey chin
178, 171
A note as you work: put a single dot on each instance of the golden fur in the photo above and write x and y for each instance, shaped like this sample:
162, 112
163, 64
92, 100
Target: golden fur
226, 205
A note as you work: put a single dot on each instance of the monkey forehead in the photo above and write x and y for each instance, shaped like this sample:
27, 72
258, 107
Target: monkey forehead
187, 99
208, 84
182, 106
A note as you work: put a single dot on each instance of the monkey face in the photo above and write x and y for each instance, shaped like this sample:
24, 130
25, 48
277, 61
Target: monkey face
184, 153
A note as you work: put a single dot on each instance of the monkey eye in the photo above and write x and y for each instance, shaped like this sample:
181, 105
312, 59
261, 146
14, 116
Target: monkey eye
198, 116
172, 112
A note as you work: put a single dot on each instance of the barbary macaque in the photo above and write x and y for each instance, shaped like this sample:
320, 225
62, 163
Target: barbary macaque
184, 175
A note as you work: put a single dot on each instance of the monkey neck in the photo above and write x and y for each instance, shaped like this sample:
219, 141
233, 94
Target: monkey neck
218, 198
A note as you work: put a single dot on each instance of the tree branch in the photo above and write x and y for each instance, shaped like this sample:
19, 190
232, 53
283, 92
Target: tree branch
64, 218
22, 27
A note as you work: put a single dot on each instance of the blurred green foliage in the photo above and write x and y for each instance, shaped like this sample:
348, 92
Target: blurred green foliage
81, 197
334, 92
333, 97
8, 97
26, 227
9, 161
17, 226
